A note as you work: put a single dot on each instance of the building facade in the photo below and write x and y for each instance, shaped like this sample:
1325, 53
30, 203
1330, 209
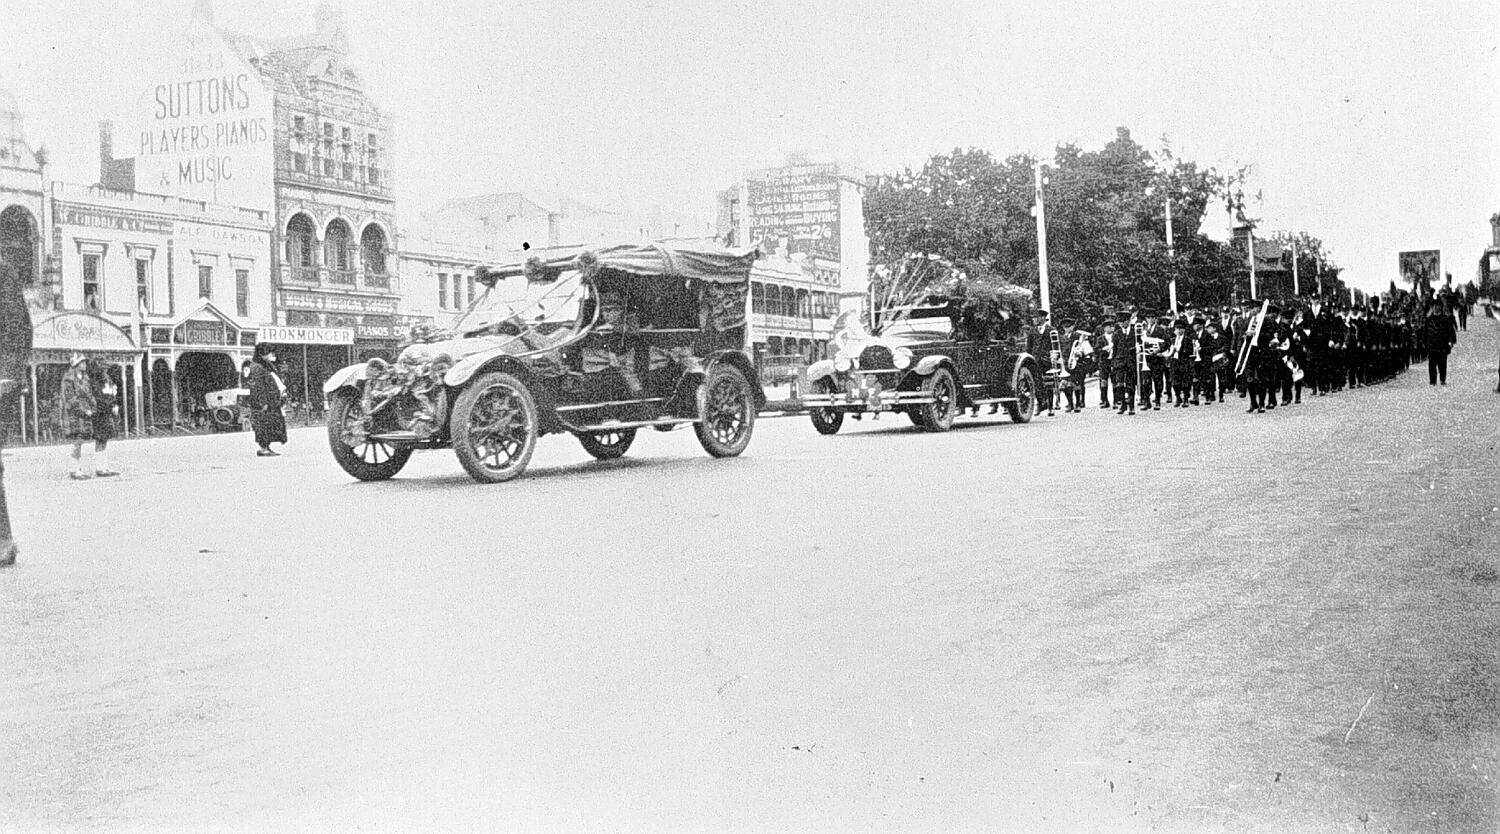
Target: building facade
806, 209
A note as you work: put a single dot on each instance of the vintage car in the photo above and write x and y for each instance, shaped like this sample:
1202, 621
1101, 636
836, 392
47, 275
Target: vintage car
924, 360
597, 344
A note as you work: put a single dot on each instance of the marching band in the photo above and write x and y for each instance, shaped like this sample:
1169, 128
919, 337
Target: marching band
1266, 353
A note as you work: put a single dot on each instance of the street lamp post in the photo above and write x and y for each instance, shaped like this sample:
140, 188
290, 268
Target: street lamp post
1296, 284
1251, 238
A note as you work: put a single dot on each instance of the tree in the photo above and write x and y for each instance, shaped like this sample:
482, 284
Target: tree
1106, 224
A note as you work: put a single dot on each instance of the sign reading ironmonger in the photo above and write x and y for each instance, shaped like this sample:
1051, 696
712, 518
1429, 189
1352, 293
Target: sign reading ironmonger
798, 205
307, 335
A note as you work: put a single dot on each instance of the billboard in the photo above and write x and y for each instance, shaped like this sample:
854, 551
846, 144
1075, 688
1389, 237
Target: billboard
203, 128
1421, 268
798, 206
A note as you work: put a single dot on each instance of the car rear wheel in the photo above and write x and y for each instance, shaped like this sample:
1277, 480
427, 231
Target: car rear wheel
356, 453
727, 416
938, 415
607, 445
826, 420
494, 428
1024, 408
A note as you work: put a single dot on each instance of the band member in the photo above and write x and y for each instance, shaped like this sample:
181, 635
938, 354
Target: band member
1221, 361
1204, 347
1180, 358
1272, 360
1124, 369
1077, 361
1039, 345
1237, 330
1106, 346
1301, 336
1154, 379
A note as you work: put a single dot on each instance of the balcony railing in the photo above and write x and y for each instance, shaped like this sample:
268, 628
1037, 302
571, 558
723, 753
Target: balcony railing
341, 276
303, 274
381, 280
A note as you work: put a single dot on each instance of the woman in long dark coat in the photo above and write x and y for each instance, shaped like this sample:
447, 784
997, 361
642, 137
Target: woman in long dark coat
266, 394
15, 358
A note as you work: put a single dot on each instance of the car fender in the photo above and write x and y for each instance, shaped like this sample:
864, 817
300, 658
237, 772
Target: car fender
738, 360
927, 364
823, 368
1023, 360
464, 369
345, 377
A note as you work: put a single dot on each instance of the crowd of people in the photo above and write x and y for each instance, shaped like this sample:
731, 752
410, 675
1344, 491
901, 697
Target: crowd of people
1269, 354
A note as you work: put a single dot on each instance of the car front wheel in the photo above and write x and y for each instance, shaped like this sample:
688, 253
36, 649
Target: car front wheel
938, 415
727, 416
494, 428
826, 420
1022, 410
349, 439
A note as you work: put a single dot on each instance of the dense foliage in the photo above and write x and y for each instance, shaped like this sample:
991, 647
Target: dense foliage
1106, 226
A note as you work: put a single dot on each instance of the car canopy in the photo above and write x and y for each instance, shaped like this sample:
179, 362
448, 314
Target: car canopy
714, 266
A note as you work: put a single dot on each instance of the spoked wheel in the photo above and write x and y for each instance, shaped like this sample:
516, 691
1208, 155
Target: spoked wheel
1024, 408
727, 412
826, 420
915, 415
349, 438
494, 428
607, 445
938, 415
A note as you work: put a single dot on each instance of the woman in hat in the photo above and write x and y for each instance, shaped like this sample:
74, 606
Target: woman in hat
267, 392
88, 405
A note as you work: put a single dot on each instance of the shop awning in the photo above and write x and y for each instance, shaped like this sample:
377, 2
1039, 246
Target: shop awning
58, 335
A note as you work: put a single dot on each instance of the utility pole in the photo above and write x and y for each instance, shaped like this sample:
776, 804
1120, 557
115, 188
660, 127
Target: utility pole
1318, 273
1041, 242
1296, 285
1251, 239
1171, 258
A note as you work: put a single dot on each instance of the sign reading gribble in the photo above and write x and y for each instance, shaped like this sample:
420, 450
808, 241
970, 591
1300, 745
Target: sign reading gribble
798, 206
203, 129
1421, 268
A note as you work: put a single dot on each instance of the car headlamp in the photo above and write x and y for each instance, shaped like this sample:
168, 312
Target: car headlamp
901, 358
843, 363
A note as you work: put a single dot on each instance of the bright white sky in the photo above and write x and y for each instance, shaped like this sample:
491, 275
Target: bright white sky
1375, 126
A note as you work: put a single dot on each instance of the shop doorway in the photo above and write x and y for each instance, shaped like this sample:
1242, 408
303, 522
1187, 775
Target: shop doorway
198, 373
159, 393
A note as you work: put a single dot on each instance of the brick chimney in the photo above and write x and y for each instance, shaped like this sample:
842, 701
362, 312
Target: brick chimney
114, 174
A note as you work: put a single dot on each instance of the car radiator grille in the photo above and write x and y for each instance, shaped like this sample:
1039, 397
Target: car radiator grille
876, 358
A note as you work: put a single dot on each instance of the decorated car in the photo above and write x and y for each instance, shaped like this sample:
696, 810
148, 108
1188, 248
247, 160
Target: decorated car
931, 360
597, 344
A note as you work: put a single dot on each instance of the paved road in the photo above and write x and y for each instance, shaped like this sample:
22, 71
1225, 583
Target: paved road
1190, 621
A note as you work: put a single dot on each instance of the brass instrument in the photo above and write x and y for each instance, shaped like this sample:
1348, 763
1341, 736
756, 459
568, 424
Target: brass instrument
1054, 357
1081, 349
1251, 335
1139, 329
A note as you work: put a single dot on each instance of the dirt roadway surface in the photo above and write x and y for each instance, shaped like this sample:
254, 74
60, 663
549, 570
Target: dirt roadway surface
1192, 621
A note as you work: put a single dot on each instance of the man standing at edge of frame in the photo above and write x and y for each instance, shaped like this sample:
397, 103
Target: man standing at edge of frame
15, 352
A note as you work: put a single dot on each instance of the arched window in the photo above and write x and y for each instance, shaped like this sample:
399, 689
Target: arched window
300, 242
337, 241
372, 250
758, 297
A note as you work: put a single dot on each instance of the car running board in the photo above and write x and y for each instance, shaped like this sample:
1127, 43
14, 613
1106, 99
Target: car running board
993, 400
632, 424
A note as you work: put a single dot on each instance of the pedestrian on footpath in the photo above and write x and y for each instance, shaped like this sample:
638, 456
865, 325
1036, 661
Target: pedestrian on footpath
267, 393
15, 357
89, 408
1439, 335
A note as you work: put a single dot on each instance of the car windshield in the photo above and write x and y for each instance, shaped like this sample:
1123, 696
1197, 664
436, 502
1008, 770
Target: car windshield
918, 329
517, 305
